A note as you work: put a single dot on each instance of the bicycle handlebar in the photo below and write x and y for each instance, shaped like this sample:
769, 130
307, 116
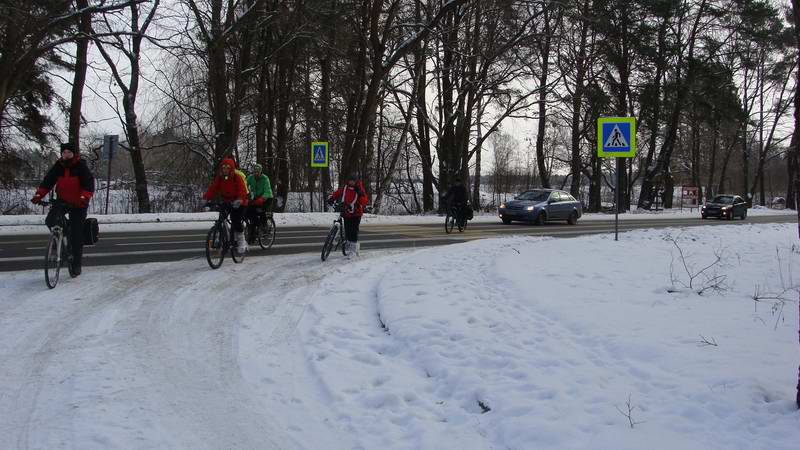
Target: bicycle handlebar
51, 202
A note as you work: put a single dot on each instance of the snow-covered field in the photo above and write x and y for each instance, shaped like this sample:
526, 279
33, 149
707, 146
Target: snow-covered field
507, 343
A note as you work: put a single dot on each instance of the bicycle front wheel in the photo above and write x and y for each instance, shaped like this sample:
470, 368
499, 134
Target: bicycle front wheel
328, 245
52, 261
449, 222
215, 247
236, 255
345, 245
266, 234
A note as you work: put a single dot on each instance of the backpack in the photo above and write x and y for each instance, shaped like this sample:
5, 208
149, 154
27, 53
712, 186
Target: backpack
91, 231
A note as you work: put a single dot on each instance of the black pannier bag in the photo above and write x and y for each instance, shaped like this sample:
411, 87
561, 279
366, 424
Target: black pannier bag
91, 231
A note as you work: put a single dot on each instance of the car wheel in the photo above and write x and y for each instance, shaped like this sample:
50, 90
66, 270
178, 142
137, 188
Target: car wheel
506, 221
703, 216
573, 218
541, 218
744, 214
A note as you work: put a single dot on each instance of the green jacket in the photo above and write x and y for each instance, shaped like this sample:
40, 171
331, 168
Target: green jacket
259, 187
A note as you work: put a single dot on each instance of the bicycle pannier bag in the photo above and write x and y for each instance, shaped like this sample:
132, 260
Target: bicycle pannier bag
91, 231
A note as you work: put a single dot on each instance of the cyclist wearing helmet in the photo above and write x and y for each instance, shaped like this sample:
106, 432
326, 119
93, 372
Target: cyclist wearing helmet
260, 196
231, 188
74, 185
353, 197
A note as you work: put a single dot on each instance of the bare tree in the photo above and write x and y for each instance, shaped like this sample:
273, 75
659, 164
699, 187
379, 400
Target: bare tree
130, 46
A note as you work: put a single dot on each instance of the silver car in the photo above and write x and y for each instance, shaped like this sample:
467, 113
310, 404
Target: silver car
541, 205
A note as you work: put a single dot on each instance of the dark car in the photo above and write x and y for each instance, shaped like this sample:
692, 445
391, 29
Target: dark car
541, 205
725, 206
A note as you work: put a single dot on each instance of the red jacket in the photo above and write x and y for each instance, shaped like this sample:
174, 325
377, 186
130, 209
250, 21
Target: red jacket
354, 199
229, 188
73, 180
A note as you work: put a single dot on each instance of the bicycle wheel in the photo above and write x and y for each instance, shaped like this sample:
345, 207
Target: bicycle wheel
345, 245
52, 261
215, 247
236, 256
449, 222
67, 258
266, 234
328, 245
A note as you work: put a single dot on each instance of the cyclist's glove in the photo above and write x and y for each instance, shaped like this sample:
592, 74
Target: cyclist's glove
36, 199
237, 203
207, 207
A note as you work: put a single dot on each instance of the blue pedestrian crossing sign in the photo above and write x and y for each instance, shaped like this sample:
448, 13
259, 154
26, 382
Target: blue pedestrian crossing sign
319, 154
616, 137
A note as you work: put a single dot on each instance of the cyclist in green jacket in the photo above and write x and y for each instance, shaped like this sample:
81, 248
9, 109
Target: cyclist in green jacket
260, 193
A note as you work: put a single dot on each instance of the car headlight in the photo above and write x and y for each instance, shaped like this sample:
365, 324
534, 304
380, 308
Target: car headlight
726, 208
503, 205
530, 208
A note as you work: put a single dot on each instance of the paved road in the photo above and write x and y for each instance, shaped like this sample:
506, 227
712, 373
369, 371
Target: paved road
22, 252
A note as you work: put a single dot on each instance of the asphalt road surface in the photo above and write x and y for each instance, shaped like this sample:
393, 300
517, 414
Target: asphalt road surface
23, 252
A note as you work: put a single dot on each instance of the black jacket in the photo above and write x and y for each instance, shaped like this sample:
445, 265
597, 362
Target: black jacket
457, 194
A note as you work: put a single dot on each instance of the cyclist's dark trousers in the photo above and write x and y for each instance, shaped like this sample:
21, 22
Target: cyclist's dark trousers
461, 211
77, 216
236, 218
254, 216
351, 228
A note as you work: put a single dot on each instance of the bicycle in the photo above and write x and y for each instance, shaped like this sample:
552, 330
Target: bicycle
59, 251
265, 230
335, 235
452, 218
221, 238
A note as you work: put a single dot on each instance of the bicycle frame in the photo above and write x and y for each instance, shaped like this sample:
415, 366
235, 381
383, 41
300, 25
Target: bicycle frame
223, 231
59, 233
338, 237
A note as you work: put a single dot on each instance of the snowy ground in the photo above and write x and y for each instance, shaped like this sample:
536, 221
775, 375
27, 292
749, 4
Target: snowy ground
507, 343
28, 224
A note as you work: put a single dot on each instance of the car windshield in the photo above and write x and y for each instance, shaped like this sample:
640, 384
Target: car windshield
536, 196
724, 199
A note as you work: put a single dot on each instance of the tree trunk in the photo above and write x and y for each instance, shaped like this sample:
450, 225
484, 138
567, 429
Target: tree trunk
81, 61
544, 49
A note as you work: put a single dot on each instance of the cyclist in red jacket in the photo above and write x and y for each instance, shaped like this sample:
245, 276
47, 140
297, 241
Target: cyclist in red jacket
74, 185
353, 197
230, 187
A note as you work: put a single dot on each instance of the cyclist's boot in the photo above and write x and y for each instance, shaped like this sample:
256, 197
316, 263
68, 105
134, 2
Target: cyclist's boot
356, 248
242, 244
75, 270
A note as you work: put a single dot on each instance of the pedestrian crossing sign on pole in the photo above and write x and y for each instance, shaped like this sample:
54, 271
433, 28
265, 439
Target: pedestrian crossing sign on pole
319, 154
616, 137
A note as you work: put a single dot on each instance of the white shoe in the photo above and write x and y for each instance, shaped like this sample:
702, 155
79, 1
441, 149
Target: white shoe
357, 248
242, 247
350, 246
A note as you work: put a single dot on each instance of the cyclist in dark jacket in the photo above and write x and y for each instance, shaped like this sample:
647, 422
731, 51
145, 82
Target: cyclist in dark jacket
458, 197
74, 185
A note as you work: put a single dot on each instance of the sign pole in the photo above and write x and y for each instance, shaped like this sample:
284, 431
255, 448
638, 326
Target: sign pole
619, 199
109, 147
319, 160
616, 138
